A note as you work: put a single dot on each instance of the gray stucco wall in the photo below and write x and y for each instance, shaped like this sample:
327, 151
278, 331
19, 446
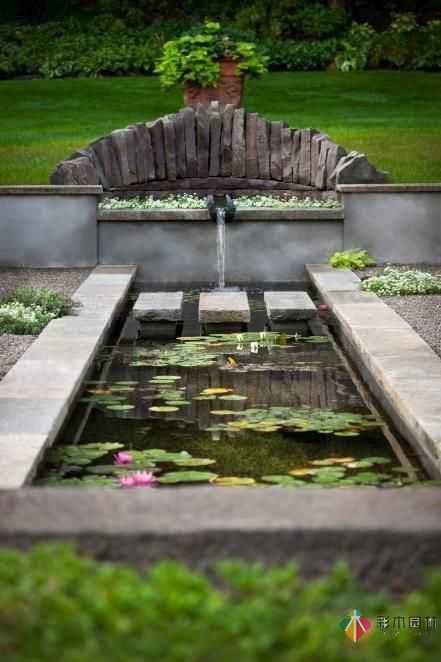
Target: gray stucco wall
186, 251
394, 226
48, 230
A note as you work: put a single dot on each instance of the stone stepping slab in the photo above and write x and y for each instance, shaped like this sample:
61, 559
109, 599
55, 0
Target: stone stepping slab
224, 307
289, 306
159, 307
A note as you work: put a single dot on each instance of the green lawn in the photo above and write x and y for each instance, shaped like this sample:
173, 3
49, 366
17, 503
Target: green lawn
394, 117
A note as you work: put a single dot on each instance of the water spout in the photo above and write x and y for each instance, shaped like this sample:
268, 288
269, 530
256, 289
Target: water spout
220, 217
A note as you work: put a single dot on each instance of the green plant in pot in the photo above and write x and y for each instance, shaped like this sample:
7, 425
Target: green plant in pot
210, 63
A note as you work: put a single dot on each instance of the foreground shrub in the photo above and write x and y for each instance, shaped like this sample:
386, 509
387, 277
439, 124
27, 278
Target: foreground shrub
355, 258
55, 605
393, 283
27, 310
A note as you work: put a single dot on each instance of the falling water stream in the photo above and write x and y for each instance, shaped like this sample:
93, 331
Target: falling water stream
220, 216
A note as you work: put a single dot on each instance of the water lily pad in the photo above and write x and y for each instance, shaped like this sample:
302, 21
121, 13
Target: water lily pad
349, 433
217, 389
369, 477
283, 481
235, 481
163, 409
360, 464
304, 471
187, 477
129, 383
120, 407
160, 455
165, 378
233, 397
204, 397
378, 460
179, 403
221, 412
194, 462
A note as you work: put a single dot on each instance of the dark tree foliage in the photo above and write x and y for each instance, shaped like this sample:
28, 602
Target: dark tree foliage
144, 11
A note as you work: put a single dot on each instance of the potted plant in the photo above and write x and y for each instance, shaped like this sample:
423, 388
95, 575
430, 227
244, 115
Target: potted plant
210, 63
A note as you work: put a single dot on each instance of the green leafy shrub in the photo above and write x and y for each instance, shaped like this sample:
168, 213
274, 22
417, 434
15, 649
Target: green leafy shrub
393, 282
318, 21
75, 48
356, 47
356, 258
194, 58
56, 605
428, 48
291, 19
28, 310
300, 56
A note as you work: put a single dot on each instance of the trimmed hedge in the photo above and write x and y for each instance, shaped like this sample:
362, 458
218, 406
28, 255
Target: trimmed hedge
55, 605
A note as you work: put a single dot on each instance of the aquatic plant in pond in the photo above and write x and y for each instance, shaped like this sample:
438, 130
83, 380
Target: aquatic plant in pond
329, 472
234, 408
194, 351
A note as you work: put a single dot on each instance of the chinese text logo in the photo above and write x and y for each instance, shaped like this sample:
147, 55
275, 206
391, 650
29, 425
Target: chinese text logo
354, 625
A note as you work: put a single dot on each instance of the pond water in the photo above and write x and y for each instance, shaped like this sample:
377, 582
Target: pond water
257, 409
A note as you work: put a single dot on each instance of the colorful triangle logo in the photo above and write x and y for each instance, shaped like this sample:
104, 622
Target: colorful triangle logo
354, 625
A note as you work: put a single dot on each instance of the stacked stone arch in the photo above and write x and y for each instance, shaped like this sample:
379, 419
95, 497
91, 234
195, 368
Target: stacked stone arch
216, 149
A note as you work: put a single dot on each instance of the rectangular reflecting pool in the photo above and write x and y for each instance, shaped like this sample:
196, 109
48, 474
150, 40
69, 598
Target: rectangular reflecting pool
257, 408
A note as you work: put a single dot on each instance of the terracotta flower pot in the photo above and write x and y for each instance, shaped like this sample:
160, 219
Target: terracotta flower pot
228, 90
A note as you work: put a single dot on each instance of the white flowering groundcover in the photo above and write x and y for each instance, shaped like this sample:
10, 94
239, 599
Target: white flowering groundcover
392, 282
192, 201
278, 202
181, 201
17, 318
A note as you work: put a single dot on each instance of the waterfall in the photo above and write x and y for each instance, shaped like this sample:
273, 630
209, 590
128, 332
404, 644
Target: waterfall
220, 217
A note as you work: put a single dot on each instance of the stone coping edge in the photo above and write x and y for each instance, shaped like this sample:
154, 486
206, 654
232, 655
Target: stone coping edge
51, 190
243, 214
401, 370
38, 393
268, 214
153, 215
389, 188
397, 528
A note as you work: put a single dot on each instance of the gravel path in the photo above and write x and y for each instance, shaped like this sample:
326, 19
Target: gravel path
63, 280
423, 312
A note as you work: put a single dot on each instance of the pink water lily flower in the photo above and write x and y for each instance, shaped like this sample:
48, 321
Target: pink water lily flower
138, 479
323, 307
123, 458
144, 478
126, 481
